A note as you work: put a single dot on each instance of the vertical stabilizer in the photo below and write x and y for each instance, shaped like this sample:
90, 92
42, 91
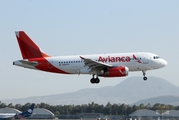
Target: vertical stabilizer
27, 47
26, 113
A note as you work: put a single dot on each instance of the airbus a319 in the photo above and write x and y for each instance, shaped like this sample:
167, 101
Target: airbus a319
98, 65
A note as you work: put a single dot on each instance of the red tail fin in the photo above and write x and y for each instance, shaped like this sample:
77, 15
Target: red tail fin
28, 48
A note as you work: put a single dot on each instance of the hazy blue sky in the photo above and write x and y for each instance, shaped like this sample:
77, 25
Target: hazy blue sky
68, 27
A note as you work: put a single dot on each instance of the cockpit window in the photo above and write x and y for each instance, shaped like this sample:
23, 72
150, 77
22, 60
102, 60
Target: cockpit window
156, 57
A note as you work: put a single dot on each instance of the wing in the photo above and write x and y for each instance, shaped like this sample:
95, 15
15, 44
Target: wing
92, 64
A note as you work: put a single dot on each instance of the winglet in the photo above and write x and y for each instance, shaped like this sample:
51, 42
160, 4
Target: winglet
82, 57
28, 48
17, 33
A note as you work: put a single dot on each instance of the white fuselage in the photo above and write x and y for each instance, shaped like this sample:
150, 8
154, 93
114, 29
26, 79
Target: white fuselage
75, 65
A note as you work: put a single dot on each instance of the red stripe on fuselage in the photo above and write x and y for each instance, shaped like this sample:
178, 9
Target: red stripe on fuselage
44, 65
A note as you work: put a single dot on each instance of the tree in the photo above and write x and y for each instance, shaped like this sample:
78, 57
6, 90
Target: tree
142, 106
108, 109
57, 113
3, 105
148, 106
18, 106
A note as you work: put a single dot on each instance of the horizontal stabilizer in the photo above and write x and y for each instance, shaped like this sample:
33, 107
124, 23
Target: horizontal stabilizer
25, 63
32, 63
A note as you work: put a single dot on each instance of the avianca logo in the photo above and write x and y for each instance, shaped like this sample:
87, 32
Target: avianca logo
114, 59
118, 59
122, 71
137, 59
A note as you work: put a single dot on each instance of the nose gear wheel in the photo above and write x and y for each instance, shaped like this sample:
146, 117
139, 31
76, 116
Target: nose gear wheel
144, 73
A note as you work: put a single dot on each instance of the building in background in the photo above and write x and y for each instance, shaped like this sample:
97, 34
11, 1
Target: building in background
171, 114
41, 113
9, 110
144, 114
155, 115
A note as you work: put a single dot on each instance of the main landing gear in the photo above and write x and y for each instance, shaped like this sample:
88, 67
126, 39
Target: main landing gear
144, 73
94, 80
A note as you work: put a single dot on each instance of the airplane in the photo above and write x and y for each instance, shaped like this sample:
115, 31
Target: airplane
97, 65
24, 114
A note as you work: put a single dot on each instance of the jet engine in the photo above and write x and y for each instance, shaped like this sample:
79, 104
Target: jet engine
116, 72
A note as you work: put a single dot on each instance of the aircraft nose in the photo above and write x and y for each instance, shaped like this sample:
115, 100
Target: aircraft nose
163, 63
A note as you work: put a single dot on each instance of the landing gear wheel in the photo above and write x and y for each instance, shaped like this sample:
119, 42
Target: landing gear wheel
145, 78
144, 73
97, 80
92, 80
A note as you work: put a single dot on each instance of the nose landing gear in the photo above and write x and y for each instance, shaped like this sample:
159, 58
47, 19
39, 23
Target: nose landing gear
144, 73
95, 80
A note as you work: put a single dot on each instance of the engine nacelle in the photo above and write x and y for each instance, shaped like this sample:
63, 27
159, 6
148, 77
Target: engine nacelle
116, 72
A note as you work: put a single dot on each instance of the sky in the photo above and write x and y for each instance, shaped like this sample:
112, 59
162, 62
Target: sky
72, 27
